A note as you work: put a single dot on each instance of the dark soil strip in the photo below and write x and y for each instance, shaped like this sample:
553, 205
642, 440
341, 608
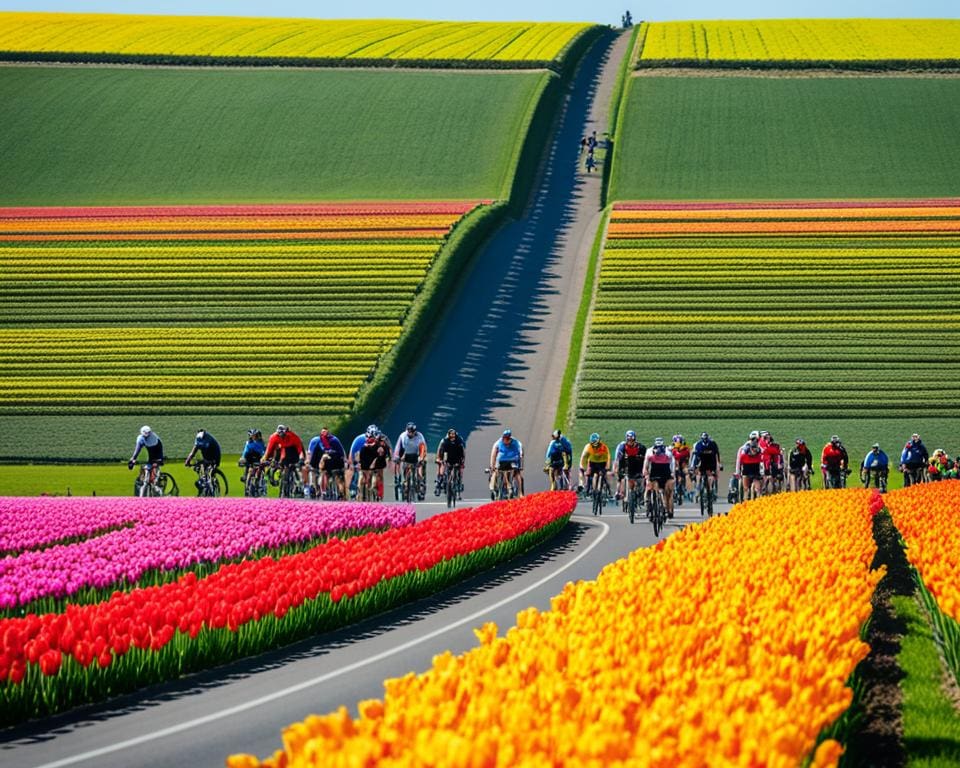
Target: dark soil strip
877, 736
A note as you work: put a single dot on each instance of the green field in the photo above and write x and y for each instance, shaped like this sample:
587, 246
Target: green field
89, 136
764, 137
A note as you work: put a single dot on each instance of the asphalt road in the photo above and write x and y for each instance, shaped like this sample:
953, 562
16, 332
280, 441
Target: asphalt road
497, 359
242, 707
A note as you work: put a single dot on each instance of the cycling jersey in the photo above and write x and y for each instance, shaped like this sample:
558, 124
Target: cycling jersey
659, 464
877, 460
773, 458
834, 457
288, 447
373, 454
507, 452
594, 454
451, 451
209, 448
681, 455
153, 445
800, 458
558, 451
706, 455
330, 446
253, 451
749, 460
358, 442
409, 447
914, 454
630, 458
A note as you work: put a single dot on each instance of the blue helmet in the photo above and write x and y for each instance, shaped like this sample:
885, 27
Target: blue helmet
594, 438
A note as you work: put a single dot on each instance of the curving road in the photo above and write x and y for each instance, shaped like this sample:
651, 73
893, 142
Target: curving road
496, 360
498, 357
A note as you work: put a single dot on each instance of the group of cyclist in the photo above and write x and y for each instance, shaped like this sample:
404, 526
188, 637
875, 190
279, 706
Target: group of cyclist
327, 470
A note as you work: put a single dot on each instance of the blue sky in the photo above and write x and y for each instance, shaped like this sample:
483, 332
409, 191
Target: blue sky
602, 11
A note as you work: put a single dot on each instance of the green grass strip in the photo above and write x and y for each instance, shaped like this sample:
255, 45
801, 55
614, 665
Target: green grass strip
619, 89
931, 727
579, 326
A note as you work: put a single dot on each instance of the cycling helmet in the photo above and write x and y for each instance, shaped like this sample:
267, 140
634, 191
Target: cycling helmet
594, 438
372, 430
451, 431
555, 434
876, 445
658, 443
915, 436
145, 430
281, 429
754, 435
800, 441
411, 426
507, 433
253, 432
764, 433
677, 438
834, 439
704, 436
631, 435
201, 433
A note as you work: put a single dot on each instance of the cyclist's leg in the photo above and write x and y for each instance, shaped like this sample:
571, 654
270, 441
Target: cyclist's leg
668, 495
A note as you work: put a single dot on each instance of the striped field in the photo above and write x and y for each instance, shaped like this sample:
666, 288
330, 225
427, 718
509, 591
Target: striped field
220, 309
806, 309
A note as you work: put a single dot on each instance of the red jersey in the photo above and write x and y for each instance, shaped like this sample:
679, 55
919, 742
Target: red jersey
681, 455
833, 456
747, 455
287, 446
772, 456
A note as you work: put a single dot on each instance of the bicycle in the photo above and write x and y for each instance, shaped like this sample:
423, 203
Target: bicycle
708, 497
878, 476
331, 491
802, 480
600, 494
367, 487
414, 485
775, 482
735, 490
914, 475
453, 484
679, 487
211, 481
254, 480
162, 484
656, 509
291, 482
630, 498
504, 483
835, 479
559, 479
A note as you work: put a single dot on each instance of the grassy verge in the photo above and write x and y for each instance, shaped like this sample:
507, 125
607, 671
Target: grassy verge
616, 104
567, 385
931, 726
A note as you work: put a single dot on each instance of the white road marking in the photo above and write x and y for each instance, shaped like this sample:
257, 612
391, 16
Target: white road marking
196, 722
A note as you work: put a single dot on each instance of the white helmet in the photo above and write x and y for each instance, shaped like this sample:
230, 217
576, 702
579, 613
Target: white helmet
145, 430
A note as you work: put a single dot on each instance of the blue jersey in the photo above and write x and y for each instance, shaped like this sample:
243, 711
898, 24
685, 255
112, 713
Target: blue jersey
508, 451
331, 445
875, 460
914, 454
209, 448
358, 442
153, 445
253, 451
558, 449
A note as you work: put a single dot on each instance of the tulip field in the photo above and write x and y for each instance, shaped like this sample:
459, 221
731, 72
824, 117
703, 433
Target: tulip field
364, 42
213, 309
780, 308
84, 652
811, 41
730, 642
65, 548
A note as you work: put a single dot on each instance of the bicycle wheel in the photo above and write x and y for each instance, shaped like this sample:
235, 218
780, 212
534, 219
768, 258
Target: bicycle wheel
451, 483
251, 485
408, 486
631, 504
218, 483
703, 496
167, 485
657, 514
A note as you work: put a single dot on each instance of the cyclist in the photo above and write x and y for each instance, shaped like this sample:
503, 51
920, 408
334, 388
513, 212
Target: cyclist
750, 466
913, 459
801, 463
451, 452
353, 463
628, 463
940, 465
772, 462
594, 460
151, 441
833, 463
253, 451
372, 459
558, 458
326, 457
681, 458
411, 449
877, 464
505, 456
659, 468
286, 448
706, 461
209, 449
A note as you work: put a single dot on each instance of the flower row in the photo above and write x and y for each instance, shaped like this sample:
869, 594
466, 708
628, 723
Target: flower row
730, 642
162, 534
56, 660
386, 208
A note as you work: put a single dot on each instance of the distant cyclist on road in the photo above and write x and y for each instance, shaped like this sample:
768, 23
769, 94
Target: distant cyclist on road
706, 462
253, 451
913, 460
286, 448
681, 458
801, 463
750, 467
876, 466
559, 457
151, 441
325, 456
506, 456
450, 452
411, 449
628, 464
372, 459
834, 463
209, 451
353, 459
659, 470
773, 462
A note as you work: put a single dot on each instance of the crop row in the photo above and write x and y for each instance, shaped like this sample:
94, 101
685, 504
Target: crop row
78, 314
812, 40
244, 38
61, 659
789, 328
729, 643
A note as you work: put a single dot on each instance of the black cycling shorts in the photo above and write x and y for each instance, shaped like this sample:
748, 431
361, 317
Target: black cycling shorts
750, 470
506, 466
597, 468
333, 463
660, 472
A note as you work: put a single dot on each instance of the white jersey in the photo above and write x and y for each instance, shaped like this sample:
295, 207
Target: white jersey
409, 446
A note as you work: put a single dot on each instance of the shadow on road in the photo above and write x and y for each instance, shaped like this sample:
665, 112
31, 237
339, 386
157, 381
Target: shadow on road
567, 541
